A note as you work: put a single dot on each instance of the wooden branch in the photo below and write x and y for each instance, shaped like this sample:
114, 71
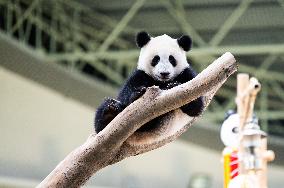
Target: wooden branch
242, 99
119, 139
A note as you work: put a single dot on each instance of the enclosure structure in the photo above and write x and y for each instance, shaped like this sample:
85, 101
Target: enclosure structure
95, 38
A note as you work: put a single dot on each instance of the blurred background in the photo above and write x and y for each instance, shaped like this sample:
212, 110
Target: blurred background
60, 58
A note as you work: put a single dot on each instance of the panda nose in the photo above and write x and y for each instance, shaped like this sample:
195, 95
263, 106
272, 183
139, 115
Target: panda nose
165, 74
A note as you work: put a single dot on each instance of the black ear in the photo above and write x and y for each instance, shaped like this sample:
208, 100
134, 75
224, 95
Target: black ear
185, 42
142, 38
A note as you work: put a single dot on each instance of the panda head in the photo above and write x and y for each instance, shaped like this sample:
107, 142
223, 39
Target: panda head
162, 57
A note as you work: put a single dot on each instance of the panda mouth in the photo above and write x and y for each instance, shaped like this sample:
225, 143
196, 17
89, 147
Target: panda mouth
164, 78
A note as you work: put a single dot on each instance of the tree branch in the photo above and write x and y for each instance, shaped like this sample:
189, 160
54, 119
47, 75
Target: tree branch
119, 139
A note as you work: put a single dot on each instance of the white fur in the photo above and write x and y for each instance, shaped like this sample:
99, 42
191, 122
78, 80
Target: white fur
163, 46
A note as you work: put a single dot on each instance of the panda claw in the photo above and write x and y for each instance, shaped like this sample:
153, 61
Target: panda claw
142, 90
112, 106
138, 93
172, 84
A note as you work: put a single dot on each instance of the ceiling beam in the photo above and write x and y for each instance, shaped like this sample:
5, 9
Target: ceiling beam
26, 14
263, 115
121, 25
230, 22
178, 14
130, 54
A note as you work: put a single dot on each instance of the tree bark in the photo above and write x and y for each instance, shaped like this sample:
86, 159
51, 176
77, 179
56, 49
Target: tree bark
119, 139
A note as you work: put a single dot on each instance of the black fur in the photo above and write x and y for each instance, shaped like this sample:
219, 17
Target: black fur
185, 42
142, 38
106, 112
135, 87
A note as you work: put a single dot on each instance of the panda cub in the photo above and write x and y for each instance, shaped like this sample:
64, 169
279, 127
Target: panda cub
162, 62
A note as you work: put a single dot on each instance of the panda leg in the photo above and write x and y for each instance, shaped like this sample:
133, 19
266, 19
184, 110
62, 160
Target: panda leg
194, 108
137, 94
106, 112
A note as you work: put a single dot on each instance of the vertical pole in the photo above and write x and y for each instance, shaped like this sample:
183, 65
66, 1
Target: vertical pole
28, 31
247, 90
267, 155
9, 18
242, 100
264, 108
18, 11
52, 42
75, 31
38, 30
262, 175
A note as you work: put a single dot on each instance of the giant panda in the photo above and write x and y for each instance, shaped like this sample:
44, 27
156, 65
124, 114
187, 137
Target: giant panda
162, 62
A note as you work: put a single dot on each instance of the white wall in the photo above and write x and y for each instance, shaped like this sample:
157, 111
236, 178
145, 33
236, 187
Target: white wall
39, 127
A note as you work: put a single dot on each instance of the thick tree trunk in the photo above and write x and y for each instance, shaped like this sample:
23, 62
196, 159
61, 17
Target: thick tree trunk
119, 139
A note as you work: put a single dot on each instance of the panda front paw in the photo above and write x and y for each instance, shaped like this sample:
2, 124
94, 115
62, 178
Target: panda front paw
112, 107
137, 93
172, 84
108, 110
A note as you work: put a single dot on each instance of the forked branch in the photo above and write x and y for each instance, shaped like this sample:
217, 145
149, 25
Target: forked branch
119, 139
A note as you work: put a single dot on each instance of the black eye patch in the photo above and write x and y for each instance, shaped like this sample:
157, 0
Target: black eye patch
172, 60
155, 60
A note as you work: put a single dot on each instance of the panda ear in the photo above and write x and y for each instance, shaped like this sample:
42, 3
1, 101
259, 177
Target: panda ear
142, 38
185, 42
